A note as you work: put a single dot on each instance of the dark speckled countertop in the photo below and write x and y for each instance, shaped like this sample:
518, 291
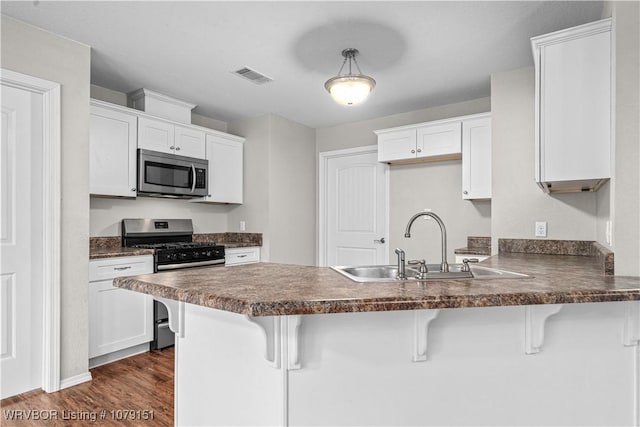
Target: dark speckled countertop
266, 289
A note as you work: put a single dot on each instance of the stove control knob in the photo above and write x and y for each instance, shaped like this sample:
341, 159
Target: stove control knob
207, 254
182, 256
173, 257
195, 255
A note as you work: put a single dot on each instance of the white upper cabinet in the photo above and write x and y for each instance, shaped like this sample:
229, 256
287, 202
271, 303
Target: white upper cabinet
396, 145
190, 142
165, 137
112, 151
573, 108
476, 158
440, 140
156, 135
225, 155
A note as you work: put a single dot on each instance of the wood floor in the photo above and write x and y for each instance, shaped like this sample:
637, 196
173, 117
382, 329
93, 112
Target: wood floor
119, 394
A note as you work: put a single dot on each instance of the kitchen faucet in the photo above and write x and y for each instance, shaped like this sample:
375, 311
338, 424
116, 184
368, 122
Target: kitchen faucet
444, 266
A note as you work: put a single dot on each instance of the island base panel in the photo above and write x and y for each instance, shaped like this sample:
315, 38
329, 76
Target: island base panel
358, 369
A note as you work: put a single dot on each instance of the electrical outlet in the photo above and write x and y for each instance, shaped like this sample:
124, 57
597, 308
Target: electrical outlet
541, 228
243, 226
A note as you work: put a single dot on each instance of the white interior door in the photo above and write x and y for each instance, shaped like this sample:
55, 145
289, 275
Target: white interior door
355, 199
20, 231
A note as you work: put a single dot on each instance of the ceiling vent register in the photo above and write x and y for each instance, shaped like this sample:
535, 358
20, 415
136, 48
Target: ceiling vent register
252, 75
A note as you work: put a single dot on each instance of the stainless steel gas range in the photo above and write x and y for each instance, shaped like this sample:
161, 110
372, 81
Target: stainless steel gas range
174, 248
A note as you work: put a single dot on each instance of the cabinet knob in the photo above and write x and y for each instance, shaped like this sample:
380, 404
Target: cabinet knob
465, 192
177, 148
413, 151
133, 189
172, 148
419, 150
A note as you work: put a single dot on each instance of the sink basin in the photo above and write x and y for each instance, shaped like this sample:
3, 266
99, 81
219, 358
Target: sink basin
388, 273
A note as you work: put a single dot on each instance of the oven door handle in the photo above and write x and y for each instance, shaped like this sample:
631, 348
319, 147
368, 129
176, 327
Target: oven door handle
193, 178
212, 262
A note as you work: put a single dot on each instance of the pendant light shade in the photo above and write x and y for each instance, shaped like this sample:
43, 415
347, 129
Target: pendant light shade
350, 88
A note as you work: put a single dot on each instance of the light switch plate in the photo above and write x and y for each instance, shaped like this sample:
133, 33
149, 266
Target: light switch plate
541, 228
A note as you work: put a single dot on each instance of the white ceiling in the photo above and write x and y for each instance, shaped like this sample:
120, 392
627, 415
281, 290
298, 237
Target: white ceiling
421, 53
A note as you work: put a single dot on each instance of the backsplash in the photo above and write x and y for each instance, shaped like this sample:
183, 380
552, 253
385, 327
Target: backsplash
603, 255
227, 239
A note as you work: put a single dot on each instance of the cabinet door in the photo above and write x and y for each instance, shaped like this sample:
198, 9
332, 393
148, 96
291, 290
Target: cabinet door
118, 318
476, 159
397, 145
439, 140
189, 142
156, 135
575, 110
112, 153
225, 169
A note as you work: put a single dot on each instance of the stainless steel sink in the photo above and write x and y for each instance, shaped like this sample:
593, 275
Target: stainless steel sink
388, 273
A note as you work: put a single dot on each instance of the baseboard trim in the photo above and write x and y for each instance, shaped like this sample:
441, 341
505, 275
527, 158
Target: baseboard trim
75, 380
118, 355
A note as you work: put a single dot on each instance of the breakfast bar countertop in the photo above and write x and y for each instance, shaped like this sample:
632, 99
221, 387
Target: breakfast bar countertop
267, 289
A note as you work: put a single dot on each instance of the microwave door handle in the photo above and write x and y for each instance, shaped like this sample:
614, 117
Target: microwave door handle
193, 175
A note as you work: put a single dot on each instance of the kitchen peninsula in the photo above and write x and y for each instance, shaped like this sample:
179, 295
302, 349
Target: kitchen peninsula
273, 344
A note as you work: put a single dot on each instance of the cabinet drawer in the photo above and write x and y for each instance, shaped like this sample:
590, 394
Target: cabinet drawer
237, 256
109, 268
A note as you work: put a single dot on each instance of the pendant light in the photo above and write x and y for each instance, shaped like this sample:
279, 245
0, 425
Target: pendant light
350, 88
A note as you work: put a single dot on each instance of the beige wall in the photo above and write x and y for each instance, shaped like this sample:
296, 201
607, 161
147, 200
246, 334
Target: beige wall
625, 193
279, 187
107, 213
517, 201
255, 209
120, 98
436, 186
292, 184
29, 50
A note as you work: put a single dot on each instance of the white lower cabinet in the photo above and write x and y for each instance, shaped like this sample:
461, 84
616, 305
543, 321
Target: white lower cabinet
236, 256
118, 318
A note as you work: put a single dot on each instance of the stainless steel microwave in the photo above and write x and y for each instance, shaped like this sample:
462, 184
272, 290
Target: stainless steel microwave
169, 175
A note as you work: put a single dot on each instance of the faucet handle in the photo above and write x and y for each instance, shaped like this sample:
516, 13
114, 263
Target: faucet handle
465, 264
422, 270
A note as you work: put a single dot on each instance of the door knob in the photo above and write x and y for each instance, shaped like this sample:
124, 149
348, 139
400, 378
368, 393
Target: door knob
380, 240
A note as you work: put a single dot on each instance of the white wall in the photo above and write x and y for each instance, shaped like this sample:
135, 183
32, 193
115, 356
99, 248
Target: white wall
30, 50
517, 201
107, 213
279, 187
436, 185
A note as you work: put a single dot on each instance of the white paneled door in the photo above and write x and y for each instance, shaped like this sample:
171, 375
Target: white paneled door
355, 200
20, 231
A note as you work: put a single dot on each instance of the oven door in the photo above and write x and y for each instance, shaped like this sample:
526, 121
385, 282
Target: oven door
170, 175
